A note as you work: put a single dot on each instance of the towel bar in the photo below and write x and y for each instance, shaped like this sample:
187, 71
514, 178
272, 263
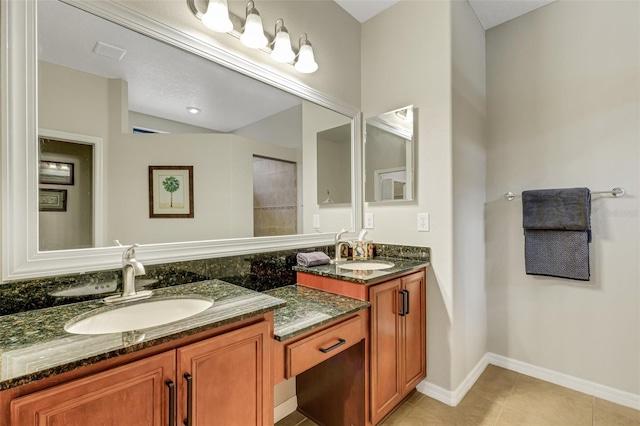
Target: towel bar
616, 192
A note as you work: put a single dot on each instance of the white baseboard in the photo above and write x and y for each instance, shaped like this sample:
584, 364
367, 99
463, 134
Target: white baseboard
283, 410
617, 396
453, 398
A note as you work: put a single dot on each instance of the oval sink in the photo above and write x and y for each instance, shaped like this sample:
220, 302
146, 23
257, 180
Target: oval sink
365, 266
137, 315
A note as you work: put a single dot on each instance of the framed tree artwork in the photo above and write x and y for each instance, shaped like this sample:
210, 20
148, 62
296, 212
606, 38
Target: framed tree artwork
171, 191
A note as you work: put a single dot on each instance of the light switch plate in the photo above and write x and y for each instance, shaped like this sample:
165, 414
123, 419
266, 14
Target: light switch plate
316, 221
368, 220
423, 222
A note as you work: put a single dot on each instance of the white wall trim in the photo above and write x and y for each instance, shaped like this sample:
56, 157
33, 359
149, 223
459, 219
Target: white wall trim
617, 396
283, 410
453, 398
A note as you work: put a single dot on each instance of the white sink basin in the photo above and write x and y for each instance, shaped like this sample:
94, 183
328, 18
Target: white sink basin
365, 266
137, 315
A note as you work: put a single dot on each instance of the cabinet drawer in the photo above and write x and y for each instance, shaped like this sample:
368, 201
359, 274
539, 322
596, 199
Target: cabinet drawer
306, 353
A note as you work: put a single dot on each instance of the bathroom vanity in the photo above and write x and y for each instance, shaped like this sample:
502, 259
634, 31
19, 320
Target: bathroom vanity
397, 326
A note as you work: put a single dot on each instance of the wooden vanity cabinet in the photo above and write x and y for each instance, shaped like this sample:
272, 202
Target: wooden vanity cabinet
222, 380
398, 341
397, 334
134, 394
229, 377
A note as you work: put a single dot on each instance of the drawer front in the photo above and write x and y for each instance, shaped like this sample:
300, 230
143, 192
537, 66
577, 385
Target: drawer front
318, 347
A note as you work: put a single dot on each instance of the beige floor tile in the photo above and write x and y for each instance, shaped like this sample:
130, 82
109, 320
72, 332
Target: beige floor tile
395, 418
551, 403
495, 384
531, 384
292, 419
308, 422
510, 417
414, 398
472, 411
610, 414
417, 416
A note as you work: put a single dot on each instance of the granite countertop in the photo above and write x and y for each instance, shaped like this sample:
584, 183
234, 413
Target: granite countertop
308, 308
34, 344
400, 266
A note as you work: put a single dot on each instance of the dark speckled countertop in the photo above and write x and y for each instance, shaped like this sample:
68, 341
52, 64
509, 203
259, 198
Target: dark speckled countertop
34, 344
400, 266
308, 308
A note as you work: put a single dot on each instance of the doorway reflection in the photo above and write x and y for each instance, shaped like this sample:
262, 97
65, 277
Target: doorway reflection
275, 197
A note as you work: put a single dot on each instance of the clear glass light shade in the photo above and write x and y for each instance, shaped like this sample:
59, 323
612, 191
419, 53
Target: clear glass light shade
306, 62
253, 34
282, 51
216, 17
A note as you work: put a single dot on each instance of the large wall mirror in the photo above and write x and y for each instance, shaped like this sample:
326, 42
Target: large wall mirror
112, 104
389, 156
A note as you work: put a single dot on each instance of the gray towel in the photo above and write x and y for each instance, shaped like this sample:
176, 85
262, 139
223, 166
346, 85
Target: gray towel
315, 258
557, 232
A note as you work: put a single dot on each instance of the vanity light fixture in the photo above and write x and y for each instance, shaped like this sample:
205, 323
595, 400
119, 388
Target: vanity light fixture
282, 51
306, 62
193, 110
216, 17
253, 33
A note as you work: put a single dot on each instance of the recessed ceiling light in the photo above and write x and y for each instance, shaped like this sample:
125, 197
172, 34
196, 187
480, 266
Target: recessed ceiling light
193, 110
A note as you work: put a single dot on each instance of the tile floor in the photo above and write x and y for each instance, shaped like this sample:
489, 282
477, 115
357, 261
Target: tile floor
504, 398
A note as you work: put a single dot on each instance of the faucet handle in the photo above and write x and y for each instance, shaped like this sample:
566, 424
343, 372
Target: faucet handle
130, 252
339, 234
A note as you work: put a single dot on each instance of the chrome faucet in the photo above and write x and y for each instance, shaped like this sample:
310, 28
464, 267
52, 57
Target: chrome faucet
131, 268
338, 242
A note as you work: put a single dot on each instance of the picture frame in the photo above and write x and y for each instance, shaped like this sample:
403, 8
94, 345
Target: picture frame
56, 173
52, 200
171, 192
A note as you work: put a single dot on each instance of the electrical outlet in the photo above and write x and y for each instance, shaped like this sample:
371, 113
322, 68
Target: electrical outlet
368, 220
316, 221
423, 222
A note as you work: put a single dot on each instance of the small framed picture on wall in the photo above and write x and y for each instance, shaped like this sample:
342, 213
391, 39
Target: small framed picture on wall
171, 191
56, 173
53, 200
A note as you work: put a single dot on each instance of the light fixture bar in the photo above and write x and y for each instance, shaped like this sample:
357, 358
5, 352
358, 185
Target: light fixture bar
238, 22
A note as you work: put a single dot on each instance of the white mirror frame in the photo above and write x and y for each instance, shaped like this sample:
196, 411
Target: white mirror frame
21, 258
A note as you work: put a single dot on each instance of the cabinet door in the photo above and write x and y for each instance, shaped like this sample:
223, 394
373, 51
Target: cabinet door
134, 394
230, 379
386, 386
414, 365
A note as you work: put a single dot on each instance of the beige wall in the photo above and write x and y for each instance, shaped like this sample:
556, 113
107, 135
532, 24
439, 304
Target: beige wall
334, 170
335, 36
469, 170
406, 59
564, 110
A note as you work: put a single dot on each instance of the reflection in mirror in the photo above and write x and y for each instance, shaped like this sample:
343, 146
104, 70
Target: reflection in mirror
152, 104
389, 156
334, 165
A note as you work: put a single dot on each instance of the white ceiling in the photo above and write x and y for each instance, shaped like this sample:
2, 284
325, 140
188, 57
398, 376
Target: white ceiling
495, 12
163, 80
489, 12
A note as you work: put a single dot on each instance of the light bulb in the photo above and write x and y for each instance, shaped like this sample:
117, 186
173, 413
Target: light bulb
253, 34
306, 63
216, 17
282, 51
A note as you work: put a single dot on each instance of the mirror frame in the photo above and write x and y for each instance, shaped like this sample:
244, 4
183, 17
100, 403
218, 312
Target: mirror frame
21, 258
